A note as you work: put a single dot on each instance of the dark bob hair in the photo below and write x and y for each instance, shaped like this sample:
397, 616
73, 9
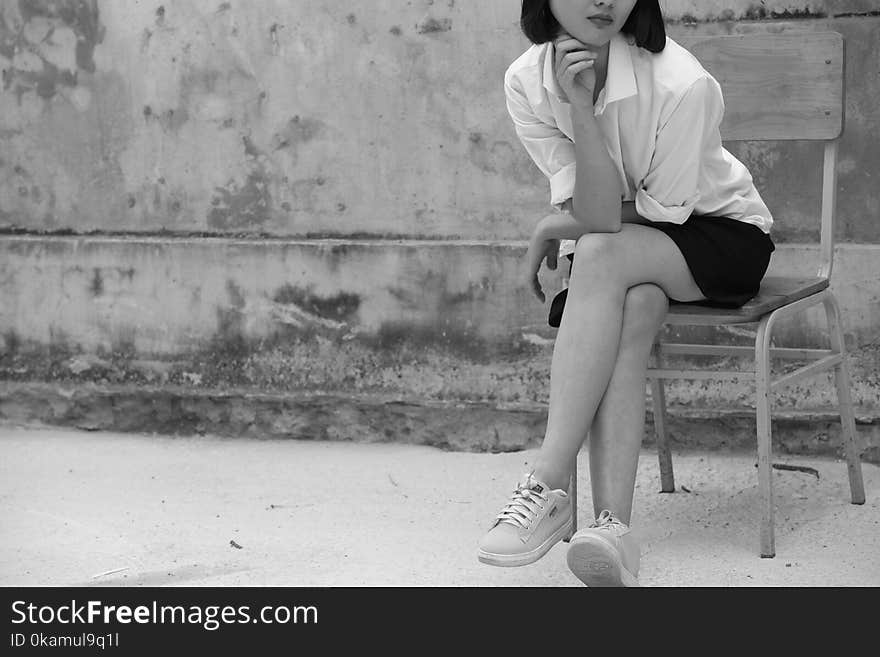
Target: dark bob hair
645, 23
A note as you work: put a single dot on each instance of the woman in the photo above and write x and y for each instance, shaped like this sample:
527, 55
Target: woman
624, 122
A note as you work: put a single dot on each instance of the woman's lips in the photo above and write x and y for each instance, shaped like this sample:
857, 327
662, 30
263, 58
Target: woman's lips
600, 22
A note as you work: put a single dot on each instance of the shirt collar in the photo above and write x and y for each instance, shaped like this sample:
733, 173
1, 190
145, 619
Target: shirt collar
620, 80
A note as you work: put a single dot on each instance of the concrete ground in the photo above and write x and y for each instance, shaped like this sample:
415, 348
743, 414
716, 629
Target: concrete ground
226, 512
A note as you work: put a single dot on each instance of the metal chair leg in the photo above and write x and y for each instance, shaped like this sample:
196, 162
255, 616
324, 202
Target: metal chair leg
844, 401
762, 407
658, 402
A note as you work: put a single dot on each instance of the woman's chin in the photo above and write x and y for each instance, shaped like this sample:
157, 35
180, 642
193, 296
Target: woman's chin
591, 37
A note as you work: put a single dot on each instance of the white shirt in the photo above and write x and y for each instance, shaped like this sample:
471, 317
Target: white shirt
659, 115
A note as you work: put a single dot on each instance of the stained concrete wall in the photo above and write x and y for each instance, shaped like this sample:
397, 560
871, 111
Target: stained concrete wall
317, 118
172, 173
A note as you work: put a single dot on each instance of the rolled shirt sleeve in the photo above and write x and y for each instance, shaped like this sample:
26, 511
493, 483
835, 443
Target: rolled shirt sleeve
550, 149
671, 188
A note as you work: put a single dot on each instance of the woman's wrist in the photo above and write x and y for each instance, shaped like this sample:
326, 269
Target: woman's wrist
560, 226
544, 229
583, 119
582, 111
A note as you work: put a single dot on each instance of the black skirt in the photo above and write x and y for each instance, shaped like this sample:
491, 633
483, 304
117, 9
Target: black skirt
727, 258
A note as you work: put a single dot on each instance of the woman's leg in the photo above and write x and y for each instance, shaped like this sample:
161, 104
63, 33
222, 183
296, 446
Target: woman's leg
606, 266
619, 425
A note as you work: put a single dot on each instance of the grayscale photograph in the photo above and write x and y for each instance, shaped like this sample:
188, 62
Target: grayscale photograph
561, 294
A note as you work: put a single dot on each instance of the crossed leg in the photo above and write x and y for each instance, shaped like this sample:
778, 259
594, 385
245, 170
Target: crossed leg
619, 424
601, 355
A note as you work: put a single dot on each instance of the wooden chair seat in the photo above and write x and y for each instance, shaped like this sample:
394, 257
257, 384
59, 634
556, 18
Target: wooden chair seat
775, 292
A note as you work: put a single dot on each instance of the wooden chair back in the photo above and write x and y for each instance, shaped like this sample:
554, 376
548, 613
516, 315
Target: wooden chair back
783, 87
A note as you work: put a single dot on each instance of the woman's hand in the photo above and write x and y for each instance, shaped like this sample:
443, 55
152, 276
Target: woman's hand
574, 70
540, 248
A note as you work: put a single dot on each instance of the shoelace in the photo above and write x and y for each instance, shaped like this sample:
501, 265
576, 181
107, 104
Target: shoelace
523, 508
607, 521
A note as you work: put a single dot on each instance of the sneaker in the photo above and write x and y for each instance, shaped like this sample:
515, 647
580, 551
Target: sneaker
535, 519
605, 554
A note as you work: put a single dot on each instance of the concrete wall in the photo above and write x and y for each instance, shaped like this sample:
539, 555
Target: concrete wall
317, 118
310, 196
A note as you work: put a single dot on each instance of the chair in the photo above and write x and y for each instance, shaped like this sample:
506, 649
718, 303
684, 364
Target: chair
776, 87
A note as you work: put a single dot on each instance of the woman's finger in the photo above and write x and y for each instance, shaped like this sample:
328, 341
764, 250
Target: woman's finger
562, 47
568, 62
535, 284
566, 58
569, 45
572, 46
575, 53
572, 71
536, 288
577, 56
568, 42
579, 66
533, 264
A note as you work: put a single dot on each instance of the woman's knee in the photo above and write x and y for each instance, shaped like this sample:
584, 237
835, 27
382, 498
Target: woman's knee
596, 245
596, 253
644, 309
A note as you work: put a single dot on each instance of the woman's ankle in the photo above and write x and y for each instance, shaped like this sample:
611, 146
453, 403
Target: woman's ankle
552, 477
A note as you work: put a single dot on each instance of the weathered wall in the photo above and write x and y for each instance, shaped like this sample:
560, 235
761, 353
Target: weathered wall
299, 118
434, 320
189, 159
